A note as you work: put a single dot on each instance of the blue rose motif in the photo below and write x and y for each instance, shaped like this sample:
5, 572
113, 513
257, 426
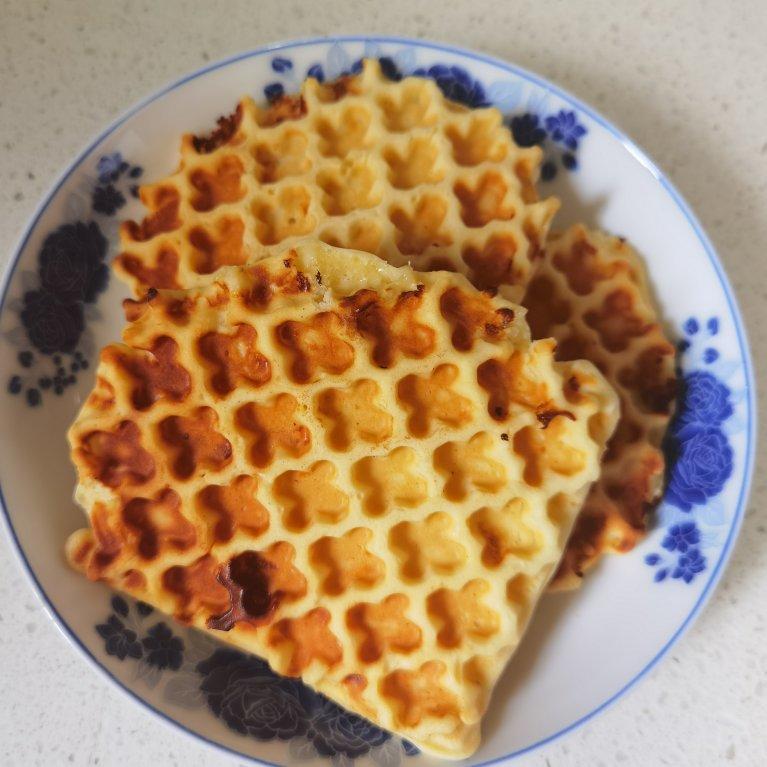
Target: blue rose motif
565, 128
333, 730
527, 130
52, 325
681, 537
689, 565
457, 84
119, 640
71, 262
163, 649
705, 400
703, 465
250, 698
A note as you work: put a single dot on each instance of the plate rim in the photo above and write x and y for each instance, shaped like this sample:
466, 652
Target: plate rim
632, 147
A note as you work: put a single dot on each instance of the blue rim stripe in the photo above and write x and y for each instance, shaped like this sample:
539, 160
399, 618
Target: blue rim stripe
638, 154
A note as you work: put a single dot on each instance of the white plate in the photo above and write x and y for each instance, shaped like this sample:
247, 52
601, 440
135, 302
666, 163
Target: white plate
584, 650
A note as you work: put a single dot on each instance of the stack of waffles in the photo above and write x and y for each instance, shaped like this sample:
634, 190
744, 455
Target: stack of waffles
328, 435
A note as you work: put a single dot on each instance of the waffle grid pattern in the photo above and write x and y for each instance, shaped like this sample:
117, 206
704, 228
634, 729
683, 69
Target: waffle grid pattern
391, 168
591, 295
331, 494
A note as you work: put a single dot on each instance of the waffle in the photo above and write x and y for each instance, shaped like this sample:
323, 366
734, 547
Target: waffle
363, 474
591, 295
391, 168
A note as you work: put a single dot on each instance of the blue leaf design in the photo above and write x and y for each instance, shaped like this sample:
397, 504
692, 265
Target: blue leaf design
713, 538
734, 425
537, 102
342, 760
691, 326
668, 515
371, 50
725, 369
712, 513
273, 91
302, 749
405, 60
281, 64
409, 748
119, 605
338, 61
316, 71
184, 690
505, 94
387, 755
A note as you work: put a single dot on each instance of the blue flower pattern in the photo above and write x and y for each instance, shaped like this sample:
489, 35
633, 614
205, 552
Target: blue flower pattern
700, 457
72, 272
119, 641
244, 693
564, 128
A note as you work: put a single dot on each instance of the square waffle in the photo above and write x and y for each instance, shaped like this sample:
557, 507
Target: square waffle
363, 474
391, 168
591, 295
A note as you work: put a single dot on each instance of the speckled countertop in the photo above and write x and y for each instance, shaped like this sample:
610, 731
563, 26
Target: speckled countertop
687, 80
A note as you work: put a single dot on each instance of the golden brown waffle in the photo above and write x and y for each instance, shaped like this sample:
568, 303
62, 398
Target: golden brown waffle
591, 295
391, 168
363, 474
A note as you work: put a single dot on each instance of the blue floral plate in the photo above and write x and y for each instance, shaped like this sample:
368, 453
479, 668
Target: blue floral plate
584, 650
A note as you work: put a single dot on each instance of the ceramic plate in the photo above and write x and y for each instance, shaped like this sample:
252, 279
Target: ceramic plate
584, 650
